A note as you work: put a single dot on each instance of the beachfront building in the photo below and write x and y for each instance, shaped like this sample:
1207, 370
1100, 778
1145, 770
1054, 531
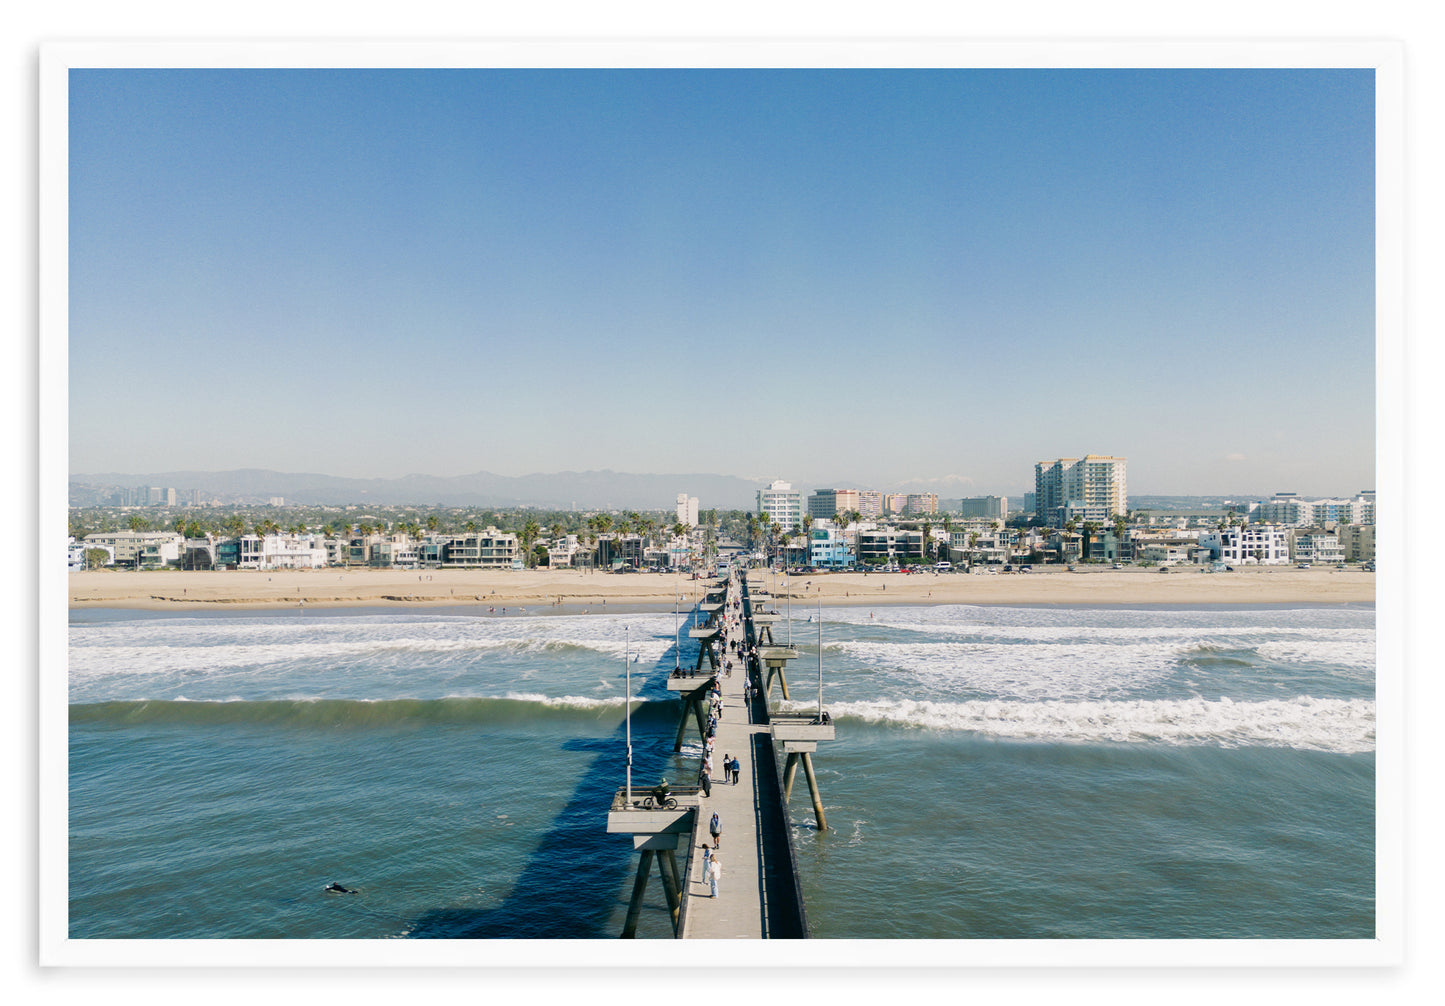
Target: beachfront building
824, 503
395, 550
199, 553
889, 545
74, 555
1169, 552
138, 549
1357, 542
984, 506
779, 504
486, 549
560, 551
1252, 544
827, 549
979, 544
1091, 488
1314, 545
293, 551
619, 550
687, 509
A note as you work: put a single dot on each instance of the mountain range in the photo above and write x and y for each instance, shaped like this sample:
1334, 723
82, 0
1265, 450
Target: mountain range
604, 489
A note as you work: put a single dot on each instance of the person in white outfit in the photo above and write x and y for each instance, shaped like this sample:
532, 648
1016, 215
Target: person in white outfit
714, 871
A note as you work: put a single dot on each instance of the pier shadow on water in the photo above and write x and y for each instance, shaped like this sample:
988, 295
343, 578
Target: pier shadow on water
576, 883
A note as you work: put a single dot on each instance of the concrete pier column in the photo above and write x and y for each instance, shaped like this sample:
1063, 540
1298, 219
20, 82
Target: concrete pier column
667, 867
682, 724
639, 887
813, 788
701, 720
790, 771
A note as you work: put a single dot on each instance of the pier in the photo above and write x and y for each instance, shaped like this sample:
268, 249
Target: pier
759, 896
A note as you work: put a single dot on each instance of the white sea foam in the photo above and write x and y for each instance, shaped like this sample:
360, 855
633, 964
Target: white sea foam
571, 701
1042, 670
1337, 725
1356, 653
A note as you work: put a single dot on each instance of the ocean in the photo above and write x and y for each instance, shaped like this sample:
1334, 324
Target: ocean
1039, 772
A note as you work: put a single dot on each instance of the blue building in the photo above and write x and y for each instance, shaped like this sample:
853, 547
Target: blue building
828, 550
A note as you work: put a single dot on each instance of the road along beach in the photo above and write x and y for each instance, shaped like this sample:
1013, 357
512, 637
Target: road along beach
533, 589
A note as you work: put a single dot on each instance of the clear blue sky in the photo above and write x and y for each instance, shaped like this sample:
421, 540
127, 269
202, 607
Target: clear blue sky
862, 277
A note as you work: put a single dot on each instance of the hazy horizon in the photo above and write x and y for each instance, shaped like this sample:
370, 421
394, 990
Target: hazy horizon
941, 275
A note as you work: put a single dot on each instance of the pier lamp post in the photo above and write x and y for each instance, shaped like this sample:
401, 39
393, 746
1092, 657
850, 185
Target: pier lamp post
627, 656
820, 655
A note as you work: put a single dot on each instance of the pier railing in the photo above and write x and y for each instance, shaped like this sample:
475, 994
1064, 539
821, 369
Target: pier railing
652, 798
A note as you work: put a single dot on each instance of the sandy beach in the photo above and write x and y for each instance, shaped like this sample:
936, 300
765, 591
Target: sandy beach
334, 588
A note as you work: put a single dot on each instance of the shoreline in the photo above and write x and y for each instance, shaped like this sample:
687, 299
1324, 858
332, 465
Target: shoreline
572, 591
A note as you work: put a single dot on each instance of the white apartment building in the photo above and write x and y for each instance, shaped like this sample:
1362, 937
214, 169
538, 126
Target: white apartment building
1297, 511
780, 504
1314, 545
687, 509
1252, 544
293, 551
1091, 488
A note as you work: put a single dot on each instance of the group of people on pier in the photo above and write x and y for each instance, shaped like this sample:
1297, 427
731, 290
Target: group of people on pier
735, 649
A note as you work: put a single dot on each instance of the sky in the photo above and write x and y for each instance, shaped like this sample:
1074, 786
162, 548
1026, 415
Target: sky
851, 277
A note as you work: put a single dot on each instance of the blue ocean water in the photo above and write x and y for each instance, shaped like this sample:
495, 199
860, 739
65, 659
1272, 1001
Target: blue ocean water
1040, 772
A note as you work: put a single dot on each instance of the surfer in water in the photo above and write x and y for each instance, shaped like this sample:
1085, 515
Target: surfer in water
335, 888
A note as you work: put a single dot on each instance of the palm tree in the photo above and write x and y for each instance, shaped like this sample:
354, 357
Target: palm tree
530, 530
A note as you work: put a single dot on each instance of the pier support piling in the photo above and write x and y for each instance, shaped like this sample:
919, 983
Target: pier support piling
639, 888
790, 772
813, 789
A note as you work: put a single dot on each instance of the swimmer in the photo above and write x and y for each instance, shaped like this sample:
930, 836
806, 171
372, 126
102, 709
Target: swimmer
335, 888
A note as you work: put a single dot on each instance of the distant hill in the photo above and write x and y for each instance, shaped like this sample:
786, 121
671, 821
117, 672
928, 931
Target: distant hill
559, 490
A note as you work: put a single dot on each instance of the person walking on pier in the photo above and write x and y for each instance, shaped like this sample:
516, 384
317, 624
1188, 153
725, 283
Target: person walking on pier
714, 873
714, 828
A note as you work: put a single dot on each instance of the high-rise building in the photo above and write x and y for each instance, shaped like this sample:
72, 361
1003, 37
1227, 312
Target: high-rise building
824, 503
687, 509
918, 504
1091, 488
984, 506
779, 504
870, 503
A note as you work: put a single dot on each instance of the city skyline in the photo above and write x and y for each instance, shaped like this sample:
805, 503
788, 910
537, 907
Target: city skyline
888, 277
